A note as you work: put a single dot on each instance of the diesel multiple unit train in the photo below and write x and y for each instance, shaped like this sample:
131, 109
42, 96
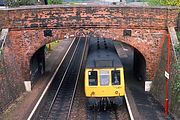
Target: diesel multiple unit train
104, 74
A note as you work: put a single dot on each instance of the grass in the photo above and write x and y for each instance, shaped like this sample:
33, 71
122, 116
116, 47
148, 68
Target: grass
178, 47
52, 45
178, 35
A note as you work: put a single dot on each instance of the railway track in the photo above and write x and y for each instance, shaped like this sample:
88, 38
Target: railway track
80, 110
62, 102
112, 113
57, 104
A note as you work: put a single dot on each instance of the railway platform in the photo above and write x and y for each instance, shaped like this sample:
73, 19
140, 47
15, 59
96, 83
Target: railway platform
143, 104
22, 107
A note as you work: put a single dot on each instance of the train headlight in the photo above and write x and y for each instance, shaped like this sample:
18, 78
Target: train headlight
116, 92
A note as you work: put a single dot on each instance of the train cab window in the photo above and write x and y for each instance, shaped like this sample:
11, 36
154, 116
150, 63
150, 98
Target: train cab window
93, 78
115, 77
104, 78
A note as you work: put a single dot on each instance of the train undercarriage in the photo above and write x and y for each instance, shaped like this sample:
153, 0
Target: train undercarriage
103, 103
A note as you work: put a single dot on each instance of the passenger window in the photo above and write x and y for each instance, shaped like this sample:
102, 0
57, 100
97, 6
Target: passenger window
92, 78
115, 77
104, 78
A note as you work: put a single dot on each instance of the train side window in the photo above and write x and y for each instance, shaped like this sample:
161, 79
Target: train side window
104, 78
93, 78
115, 77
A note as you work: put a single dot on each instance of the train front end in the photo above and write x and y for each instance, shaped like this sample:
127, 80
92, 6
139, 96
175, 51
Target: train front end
104, 84
104, 74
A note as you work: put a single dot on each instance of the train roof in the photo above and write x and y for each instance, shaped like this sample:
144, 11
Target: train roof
102, 54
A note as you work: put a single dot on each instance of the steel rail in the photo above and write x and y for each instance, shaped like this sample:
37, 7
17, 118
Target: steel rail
115, 112
77, 79
129, 107
49, 83
55, 96
95, 114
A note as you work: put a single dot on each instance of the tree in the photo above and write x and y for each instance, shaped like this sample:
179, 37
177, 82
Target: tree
55, 1
16, 3
164, 2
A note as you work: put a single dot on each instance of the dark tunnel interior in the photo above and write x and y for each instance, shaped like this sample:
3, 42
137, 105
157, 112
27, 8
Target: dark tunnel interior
134, 64
139, 65
37, 64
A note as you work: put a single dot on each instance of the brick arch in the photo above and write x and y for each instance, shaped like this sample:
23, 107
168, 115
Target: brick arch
27, 25
29, 41
139, 63
148, 42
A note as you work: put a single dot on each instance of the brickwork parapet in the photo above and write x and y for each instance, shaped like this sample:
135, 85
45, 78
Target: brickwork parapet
88, 16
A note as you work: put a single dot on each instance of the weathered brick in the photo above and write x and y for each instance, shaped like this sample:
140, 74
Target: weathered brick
134, 17
27, 25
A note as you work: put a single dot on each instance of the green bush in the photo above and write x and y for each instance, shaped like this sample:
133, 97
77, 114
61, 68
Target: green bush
164, 2
178, 35
17, 3
178, 47
55, 1
176, 86
177, 83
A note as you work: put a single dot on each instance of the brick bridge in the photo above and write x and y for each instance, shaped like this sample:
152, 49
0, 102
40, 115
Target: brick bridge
27, 27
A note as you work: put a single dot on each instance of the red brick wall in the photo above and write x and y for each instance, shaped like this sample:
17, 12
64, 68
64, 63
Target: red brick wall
89, 16
148, 42
147, 24
26, 34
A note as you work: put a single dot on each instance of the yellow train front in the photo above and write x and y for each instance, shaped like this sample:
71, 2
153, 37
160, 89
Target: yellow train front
104, 74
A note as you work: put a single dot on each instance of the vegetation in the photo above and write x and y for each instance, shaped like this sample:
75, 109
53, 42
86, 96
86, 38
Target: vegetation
175, 84
16, 3
178, 35
51, 46
55, 1
178, 47
164, 2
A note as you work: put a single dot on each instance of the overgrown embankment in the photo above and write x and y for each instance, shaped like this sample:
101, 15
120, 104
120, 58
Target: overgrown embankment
175, 82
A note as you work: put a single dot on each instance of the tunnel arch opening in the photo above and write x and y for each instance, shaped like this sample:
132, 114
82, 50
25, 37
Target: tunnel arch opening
37, 64
139, 65
134, 63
